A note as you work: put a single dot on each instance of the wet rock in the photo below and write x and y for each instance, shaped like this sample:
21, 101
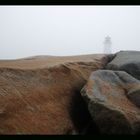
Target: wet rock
128, 61
112, 99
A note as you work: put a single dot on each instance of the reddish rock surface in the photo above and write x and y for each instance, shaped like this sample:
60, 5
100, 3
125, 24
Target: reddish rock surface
41, 95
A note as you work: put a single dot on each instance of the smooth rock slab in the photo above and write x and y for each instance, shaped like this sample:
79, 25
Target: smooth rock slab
112, 99
128, 61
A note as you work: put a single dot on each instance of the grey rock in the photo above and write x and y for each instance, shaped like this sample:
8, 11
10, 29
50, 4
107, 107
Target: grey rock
113, 99
128, 61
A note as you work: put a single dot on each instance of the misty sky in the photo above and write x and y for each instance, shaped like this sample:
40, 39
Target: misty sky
67, 30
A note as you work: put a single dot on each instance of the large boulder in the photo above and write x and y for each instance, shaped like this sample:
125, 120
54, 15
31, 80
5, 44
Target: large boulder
128, 61
42, 95
112, 99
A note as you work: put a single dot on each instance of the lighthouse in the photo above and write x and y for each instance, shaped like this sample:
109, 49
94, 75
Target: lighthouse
107, 45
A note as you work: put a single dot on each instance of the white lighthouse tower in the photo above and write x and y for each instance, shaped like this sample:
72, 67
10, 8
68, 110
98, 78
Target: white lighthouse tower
107, 45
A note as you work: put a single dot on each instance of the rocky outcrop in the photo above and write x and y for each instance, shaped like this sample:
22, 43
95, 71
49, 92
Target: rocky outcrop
128, 61
42, 96
113, 101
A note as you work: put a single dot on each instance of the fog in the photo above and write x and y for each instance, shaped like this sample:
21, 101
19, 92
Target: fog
67, 30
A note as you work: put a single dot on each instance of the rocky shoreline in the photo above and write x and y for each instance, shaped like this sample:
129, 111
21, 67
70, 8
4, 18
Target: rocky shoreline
94, 94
